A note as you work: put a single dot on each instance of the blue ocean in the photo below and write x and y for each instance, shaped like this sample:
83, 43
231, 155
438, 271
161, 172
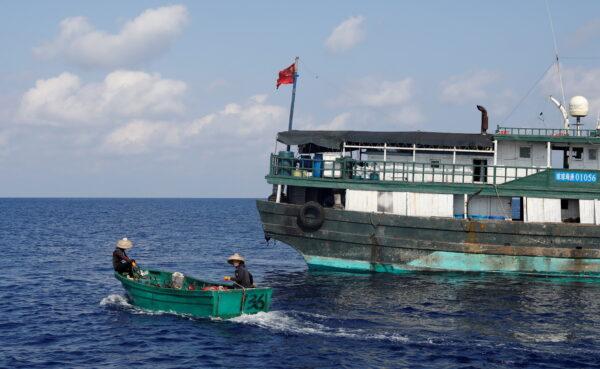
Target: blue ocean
61, 306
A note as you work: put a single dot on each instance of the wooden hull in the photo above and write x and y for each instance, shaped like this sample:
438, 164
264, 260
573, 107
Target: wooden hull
392, 243
146, 294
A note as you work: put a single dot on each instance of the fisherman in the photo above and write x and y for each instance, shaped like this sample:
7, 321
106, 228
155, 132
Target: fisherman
121, 262
243, 278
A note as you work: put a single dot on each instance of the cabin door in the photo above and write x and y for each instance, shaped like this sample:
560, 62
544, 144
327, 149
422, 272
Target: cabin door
479, 170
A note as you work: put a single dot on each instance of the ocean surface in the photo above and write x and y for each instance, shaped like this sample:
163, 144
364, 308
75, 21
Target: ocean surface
60, 305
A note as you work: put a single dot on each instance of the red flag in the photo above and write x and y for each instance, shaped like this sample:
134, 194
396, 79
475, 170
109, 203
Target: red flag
286, 76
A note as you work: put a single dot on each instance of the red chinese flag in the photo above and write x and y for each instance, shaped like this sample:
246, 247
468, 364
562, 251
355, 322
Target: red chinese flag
286, 76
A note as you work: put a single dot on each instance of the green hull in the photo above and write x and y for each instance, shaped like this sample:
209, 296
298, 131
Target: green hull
378, 242
152, 293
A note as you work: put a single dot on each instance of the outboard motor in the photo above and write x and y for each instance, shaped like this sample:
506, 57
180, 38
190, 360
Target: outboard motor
177, 280
484, 119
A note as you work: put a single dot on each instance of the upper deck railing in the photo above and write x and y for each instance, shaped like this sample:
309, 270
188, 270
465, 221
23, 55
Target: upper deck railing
375, 170
553, 132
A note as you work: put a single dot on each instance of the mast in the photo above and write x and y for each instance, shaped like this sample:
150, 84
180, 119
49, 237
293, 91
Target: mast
293, 97
562, 88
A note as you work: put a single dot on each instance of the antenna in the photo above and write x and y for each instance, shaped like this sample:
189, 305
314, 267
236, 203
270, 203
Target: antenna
578, 108
563, 111
562, 88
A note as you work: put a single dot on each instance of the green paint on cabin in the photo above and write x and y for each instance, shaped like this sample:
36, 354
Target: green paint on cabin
541, 184
558, 139
446, 179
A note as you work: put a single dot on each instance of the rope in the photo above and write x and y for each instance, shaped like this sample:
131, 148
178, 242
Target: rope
527, 94
506, 213
315, 75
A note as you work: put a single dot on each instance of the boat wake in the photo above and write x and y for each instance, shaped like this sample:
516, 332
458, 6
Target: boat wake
291, 322
120, 302
116, 301
304, 323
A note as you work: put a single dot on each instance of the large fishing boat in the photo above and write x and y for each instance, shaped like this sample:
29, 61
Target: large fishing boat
524, 200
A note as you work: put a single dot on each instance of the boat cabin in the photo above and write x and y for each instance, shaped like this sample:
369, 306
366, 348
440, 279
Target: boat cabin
517, 174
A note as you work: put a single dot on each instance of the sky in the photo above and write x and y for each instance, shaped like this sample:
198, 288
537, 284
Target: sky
178, 99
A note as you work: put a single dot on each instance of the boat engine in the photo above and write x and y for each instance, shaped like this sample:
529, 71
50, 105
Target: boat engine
177, 280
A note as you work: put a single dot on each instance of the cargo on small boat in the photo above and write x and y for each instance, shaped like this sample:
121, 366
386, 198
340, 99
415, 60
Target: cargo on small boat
164, 291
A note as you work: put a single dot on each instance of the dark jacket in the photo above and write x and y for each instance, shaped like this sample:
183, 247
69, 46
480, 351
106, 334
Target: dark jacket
120, 257
243, 276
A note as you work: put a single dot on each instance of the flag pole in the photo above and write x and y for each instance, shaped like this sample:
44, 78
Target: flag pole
293, 97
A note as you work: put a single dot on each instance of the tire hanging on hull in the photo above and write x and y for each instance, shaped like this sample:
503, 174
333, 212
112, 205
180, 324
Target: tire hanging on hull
310, 217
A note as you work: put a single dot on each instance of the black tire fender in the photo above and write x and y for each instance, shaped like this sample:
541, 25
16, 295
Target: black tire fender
311, 216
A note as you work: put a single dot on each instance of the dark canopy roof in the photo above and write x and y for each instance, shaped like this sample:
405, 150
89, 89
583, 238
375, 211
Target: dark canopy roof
335, 139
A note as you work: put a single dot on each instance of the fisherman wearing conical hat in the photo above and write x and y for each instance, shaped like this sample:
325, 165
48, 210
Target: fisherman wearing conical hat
121, 262
242, 277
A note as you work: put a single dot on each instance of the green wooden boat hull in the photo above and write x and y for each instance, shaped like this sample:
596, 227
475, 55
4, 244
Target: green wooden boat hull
377, 242
153, 293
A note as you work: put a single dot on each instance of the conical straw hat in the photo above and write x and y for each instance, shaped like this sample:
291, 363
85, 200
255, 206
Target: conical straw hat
236, 257
124, 244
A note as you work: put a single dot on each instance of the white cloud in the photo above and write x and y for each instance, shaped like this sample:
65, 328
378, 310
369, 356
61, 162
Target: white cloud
339, 122
585, 35
387, 93
346, 35
408, 116
148, 35
254, 116
140, 136
377, 94
377, 104
122, 94
248, 120
467, 88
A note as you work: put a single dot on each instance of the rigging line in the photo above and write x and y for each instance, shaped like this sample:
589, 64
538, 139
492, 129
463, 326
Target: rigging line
335, 86
506, 213
562, 89
581, 57
343, 91
308, 69
527, 94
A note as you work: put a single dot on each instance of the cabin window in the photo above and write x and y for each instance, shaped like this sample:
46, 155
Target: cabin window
570, 212
525, 152
592, 154
516, 208
435, 163
578, 153
479, 170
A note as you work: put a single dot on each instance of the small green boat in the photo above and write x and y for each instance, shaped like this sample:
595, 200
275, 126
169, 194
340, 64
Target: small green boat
153, 290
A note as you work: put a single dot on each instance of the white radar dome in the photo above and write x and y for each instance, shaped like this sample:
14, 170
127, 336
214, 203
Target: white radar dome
578, 106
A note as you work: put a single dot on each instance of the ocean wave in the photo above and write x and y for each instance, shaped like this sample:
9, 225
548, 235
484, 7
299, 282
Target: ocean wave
542, 337
280, 321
